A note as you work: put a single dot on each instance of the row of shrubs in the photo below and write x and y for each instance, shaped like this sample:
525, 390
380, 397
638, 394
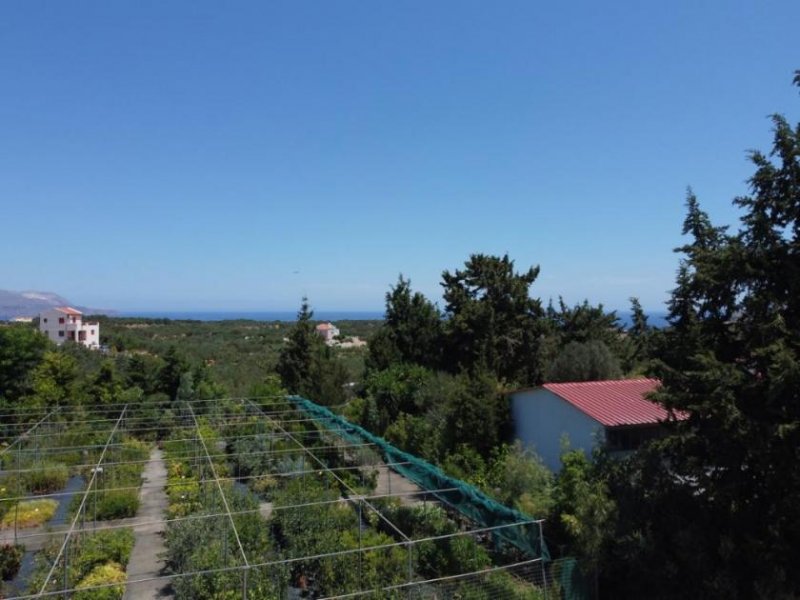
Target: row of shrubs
116, 503
96, 559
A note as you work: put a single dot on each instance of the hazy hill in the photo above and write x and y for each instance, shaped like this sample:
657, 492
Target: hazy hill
31, 303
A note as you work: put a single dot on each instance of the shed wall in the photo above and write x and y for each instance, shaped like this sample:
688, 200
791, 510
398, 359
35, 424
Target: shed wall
541, 418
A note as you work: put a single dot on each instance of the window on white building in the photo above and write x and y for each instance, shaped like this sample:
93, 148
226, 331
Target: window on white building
61, 333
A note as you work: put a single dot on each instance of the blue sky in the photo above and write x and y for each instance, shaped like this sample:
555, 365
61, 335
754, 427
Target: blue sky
200, 155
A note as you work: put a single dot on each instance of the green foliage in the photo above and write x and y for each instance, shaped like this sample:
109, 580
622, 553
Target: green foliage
411, 333
21, 350
95, 558
112, 545
10, 560
105, 387
477, 414
117, 504
585, 323
640, 338
270, 387
54, 379
104, 574
396, 390
210, 543
723, 520
419, 435
310, 368
327, 379
501, 584
584, 361
142, 372
492, 322
296, 358
517, 477
585, 508
465, 463
169, 377
45, 478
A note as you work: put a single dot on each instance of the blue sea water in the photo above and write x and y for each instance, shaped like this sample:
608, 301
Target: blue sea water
275, 315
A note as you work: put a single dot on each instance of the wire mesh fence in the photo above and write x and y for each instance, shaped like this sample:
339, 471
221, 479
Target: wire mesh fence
255, 498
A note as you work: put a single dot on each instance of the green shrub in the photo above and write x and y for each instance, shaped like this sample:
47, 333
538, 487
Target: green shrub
264, 486
46, 479
120, 504
502, 584
110, 572
29, 513
10, 560
100, 547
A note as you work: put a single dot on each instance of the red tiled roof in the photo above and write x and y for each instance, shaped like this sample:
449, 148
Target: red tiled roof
323, 326
68, 310
613, 403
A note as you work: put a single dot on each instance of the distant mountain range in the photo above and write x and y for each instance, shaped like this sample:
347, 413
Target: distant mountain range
31, 303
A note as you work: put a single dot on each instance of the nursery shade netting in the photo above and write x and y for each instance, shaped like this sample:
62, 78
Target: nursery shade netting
465, 498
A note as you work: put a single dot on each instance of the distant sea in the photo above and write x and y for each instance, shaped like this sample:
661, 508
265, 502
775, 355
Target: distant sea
656, 319
267, 315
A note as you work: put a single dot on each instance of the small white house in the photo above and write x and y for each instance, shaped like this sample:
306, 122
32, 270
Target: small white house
66, 324
614, 413
327, 331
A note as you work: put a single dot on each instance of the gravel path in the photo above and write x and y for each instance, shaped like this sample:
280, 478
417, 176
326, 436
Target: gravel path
147, 558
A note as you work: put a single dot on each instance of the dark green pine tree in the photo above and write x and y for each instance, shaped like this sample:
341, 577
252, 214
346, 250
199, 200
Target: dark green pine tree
639, 339
296, 359
411, 333
715, 506
492, 323
169, 376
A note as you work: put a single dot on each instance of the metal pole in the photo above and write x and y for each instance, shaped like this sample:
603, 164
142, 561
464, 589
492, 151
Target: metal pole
541, 562
410, 568
19, 493
66, 569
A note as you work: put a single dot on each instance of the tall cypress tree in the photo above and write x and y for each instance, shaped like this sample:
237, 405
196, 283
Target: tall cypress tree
716, 505
296, 358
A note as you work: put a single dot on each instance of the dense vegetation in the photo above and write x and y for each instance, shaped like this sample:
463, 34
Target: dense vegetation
709, 510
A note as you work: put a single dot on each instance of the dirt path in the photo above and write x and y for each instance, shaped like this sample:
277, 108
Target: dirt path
391, 482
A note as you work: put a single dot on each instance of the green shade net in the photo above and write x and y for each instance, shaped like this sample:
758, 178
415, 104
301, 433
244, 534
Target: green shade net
464, 498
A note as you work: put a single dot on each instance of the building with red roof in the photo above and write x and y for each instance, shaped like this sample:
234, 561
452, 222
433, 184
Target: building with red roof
615, 413
327, 331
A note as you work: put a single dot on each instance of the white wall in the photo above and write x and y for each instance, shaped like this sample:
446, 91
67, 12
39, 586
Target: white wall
49, 325
541, 418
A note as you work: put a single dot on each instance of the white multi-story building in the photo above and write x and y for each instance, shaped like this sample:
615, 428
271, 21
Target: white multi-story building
66, 324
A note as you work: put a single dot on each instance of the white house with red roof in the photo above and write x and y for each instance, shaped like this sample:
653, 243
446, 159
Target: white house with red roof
65, 323
614, 413
327, 331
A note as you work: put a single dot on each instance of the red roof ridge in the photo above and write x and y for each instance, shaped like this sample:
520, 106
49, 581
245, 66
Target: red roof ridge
68, 310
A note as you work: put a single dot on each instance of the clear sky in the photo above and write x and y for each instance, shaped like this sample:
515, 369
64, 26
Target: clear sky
207, 155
